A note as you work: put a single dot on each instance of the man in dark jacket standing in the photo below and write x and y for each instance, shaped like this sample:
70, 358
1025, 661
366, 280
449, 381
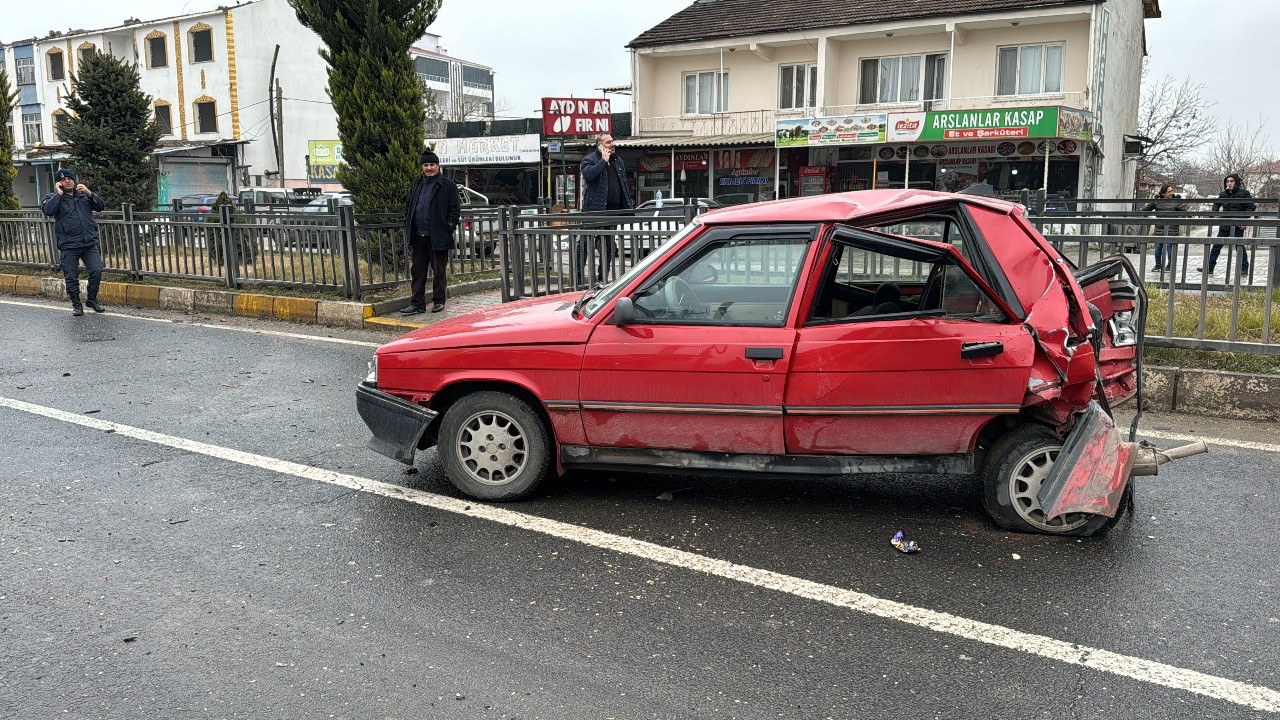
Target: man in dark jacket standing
1234, 199
605, 177
432, 213
71, 205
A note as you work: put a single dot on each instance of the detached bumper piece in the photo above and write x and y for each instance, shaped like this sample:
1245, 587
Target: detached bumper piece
397, 425
1095, 465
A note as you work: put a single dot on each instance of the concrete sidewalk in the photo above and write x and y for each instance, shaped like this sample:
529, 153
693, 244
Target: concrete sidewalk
463, 297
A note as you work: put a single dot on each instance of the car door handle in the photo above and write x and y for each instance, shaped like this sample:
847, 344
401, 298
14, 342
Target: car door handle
763, 353
969, 351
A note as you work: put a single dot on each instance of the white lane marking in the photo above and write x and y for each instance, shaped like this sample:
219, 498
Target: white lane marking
254, 331
1253, 696
1245, 444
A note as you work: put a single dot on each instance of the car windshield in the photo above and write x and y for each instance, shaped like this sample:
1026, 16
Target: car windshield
607, 293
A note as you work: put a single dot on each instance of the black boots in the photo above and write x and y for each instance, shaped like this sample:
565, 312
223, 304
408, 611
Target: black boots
76, 308
95, 305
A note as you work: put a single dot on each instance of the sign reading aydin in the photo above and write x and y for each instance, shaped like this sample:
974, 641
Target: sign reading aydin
493, 150
991, 124
563, 117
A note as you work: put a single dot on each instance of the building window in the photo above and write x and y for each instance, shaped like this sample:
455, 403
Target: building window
1029, 70
59, 120
201, 43
903, 79
700, 93
164, 118
86, 50
25, 70
797, 86
57, 68
157, 52
479, 78
31, 129
432, 69
206, 115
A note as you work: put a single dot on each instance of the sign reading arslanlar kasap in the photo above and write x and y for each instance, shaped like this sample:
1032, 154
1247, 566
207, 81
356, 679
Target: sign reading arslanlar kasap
991, 124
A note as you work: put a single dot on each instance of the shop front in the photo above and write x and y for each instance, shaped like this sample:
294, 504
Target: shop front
731, 169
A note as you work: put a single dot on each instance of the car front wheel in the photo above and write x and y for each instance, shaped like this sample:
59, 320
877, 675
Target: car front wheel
1014, 471
494, 446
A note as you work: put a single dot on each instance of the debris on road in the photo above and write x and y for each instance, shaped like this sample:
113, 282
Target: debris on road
906, 546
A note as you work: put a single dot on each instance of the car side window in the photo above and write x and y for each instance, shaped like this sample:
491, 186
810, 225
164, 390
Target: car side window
874, 281
745, 280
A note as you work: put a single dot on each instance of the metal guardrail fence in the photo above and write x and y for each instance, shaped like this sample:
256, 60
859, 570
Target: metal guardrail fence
336, 251
1232, 309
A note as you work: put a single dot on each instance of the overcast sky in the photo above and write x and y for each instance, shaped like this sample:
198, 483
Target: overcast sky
571, 47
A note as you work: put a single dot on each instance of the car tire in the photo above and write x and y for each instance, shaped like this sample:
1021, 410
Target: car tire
1012, 474
494, 446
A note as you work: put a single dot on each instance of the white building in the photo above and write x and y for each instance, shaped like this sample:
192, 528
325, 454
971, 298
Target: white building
211, 76
828, 95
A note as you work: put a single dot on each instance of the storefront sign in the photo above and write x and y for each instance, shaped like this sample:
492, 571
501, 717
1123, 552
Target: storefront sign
991, 124
744, 159
563, 117
495, 150
684, 161
1008, 149
323, 159
840, 130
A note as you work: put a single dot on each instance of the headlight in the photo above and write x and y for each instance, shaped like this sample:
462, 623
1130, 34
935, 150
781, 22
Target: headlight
372, 377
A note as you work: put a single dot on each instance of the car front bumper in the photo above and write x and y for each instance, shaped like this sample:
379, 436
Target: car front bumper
397, 425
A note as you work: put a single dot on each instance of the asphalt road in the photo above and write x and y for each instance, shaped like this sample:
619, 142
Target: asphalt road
192, 527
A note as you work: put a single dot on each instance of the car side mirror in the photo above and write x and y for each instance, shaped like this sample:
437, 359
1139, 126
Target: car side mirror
624, 312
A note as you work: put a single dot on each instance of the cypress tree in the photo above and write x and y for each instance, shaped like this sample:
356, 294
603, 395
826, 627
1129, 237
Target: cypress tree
8, 101
374, 90
110, 134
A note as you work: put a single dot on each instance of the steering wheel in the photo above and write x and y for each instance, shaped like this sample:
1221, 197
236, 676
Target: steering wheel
679, 294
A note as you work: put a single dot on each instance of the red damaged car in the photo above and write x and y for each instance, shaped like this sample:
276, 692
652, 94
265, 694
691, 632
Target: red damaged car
867, 332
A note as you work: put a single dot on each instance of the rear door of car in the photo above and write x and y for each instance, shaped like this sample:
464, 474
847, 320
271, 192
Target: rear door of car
703, 366
919, 376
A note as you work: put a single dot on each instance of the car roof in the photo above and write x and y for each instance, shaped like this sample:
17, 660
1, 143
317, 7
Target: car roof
839, 207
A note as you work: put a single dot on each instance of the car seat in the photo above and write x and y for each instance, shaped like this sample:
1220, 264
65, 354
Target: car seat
883, 302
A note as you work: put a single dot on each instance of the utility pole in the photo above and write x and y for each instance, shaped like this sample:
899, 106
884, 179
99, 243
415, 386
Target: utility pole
280, 132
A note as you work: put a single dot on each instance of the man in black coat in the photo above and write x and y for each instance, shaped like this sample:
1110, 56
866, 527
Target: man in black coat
1234, 199
71, 205
432, 213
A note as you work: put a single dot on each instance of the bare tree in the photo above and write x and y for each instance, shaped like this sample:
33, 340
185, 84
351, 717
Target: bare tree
1238, 150
1175, 119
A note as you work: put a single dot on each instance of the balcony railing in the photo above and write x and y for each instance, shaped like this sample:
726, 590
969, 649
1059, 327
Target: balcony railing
747, 122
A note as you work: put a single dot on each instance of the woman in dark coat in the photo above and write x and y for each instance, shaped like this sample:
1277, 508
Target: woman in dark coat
1166, 201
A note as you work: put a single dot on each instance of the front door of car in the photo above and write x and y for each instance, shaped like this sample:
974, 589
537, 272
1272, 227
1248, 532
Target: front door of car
917, 366
703, 364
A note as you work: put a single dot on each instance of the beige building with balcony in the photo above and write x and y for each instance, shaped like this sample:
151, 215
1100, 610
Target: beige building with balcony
744, 102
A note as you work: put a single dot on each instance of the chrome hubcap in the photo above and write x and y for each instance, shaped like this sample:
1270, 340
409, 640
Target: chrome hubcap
492, 447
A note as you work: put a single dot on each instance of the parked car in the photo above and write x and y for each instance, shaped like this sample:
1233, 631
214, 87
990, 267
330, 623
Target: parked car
313, 224
675, 206
801, 337
201, 204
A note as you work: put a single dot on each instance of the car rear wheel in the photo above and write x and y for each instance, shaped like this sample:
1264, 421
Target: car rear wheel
1013, 473
494, 446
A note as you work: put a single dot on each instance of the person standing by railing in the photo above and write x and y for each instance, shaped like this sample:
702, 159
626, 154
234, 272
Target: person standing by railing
605, 177
71, 205
1233, 198
1166, 201
431, 216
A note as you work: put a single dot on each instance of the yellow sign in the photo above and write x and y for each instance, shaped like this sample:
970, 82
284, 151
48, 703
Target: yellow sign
324, 158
